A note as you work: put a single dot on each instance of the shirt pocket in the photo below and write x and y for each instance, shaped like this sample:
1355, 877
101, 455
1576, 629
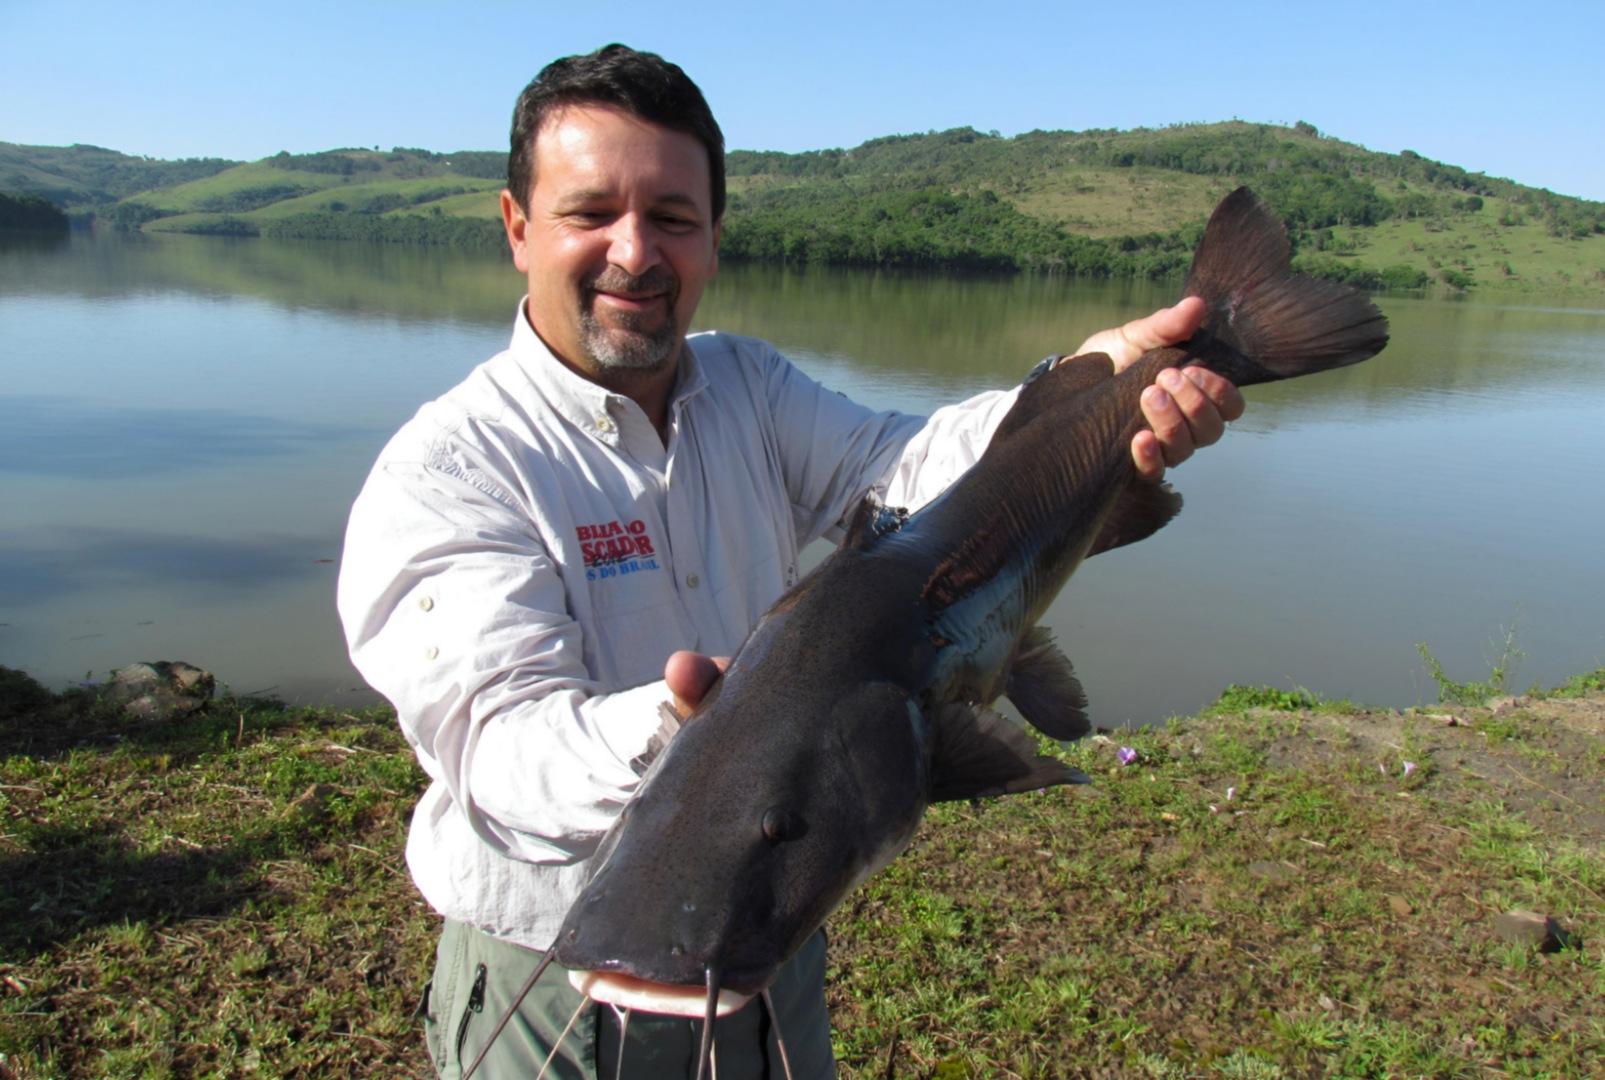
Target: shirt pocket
639, 622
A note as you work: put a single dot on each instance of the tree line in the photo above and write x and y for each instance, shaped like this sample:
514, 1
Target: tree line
30, 213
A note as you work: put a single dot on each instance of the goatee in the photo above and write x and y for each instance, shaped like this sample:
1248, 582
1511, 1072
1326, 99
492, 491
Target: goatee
636, 342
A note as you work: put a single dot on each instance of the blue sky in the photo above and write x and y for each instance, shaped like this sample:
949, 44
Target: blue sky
1510, 89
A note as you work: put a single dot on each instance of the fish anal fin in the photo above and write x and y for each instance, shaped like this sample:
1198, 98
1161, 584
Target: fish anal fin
979, 752
871, 521
1044, 687
1140, 511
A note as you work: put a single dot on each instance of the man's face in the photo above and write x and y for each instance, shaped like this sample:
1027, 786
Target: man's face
618, 240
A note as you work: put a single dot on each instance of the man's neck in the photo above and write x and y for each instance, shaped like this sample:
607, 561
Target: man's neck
648, 388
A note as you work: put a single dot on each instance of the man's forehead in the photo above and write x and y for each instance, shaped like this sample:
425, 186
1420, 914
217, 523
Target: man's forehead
588, 132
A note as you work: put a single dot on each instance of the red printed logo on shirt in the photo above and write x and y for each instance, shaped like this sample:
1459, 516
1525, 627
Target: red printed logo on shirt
614, 548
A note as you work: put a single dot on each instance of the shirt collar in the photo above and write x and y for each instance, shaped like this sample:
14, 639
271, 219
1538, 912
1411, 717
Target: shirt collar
582, 401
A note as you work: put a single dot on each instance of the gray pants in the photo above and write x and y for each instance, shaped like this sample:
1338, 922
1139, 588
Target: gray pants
477, 976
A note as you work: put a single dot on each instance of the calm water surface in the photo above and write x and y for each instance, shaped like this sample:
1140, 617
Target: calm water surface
184, 421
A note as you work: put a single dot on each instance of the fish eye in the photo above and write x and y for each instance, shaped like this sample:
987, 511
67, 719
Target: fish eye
780, 825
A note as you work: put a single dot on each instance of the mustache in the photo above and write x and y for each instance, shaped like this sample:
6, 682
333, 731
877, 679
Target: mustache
658, 279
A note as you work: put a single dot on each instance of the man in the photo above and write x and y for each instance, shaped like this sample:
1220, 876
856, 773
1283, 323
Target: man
547, 553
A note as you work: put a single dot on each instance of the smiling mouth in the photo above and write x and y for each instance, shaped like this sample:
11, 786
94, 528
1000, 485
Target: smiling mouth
631, 294
629, 301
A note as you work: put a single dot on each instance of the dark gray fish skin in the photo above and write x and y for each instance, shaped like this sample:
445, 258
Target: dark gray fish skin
859, 698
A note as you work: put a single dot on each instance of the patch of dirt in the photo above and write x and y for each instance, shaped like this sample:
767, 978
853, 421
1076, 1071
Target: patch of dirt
1539, 757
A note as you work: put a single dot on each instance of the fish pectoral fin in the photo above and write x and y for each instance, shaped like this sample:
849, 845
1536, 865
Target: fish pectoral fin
1140, 511
669, 723
1044, 687
980, 752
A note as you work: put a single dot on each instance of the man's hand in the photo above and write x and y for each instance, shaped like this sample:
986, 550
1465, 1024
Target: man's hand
689, 675
1185, 409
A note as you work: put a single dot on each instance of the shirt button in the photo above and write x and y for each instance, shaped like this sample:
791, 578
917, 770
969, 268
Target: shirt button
431, 652
425, 602
692, 581
604, 423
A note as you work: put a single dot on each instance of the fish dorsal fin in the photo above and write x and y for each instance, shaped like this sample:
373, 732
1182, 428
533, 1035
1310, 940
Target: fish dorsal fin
871, 521
1047, 390
980, 752
1045, 689
1140, 511
669, 724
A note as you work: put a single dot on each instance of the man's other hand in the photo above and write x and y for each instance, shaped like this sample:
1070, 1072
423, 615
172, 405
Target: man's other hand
689, 676
1185, 409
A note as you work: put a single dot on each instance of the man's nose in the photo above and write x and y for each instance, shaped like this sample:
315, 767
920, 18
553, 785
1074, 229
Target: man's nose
632, 245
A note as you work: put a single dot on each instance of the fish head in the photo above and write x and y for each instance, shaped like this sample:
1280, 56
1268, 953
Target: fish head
741, 840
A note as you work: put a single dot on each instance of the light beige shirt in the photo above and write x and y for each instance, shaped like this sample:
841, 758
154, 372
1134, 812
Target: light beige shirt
527, 552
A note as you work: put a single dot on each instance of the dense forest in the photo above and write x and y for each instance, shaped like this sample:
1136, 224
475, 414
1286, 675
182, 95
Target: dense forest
30, 213
1101, 203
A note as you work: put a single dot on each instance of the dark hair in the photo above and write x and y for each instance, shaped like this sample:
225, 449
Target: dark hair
641, 83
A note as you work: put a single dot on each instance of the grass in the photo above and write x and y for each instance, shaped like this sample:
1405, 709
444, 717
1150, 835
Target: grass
172, 911
1500, 672
1252, 897
1519, 257
456, 196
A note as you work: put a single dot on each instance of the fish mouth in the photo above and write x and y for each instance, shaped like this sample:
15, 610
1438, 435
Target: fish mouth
666, 999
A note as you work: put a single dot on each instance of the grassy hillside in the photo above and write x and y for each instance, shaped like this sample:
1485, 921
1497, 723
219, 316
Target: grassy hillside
272, 195
1106, 203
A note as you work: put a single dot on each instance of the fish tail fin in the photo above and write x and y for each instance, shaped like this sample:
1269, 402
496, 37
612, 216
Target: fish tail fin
1265, 322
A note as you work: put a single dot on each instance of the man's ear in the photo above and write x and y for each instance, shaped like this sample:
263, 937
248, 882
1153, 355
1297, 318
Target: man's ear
514, 221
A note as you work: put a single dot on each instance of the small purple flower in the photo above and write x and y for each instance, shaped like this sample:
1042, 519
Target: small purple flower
1126, 755
1231, 791
1409, 767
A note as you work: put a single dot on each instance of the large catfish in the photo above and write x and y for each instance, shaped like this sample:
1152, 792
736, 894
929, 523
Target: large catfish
860, 698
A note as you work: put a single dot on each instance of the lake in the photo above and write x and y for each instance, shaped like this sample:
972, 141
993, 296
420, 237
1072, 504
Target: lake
185, 420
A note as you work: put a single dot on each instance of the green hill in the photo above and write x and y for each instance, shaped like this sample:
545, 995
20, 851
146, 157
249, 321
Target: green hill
1132, 202
1102, 202
79, 176
295, 194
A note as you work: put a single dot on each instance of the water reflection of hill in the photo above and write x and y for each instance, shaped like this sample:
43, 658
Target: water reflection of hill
944, 334
397, 281
992, 329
